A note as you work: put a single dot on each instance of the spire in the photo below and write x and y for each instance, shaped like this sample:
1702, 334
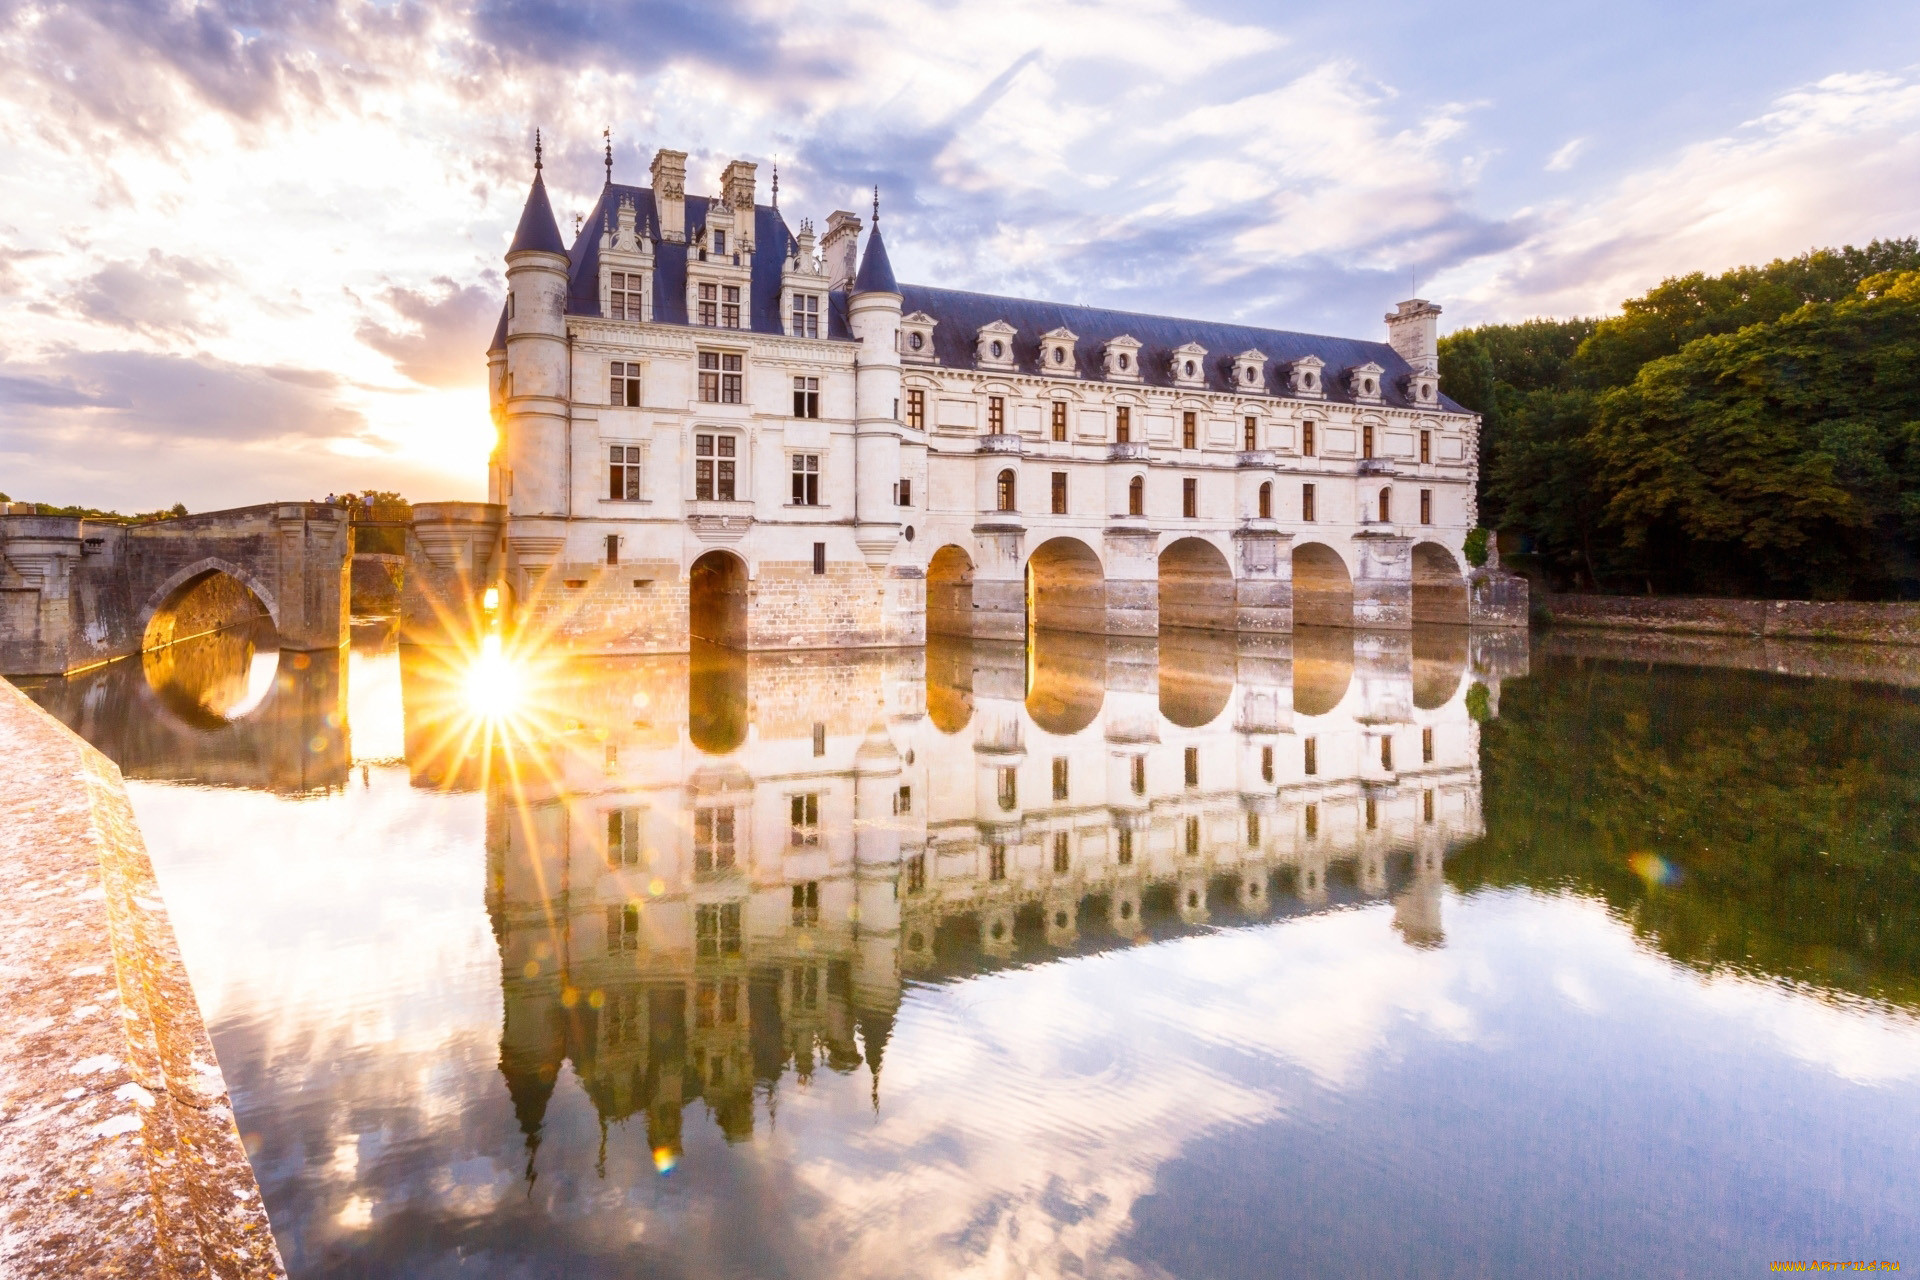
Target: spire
876, 206
537, 229
776, 186
607, 133
876, 273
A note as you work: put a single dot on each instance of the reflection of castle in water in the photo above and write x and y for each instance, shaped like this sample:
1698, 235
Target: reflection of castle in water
718, 870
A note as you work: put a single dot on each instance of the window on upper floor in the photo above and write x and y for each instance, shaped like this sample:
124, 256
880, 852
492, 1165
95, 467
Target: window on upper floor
714, 461
1007, 788
1004, 494
903, 493
713, 839
1306, 503
996, 415
1426, 446
1123, 848
1426, 506
806, 315
1059, 777
1189, 430
1059, 495
1426, 745
613, 548
1266, 764
623, 837
719, 241
1253, 831
806, 479
623, 929
623, 472
803, 813
903, 800
916, 409
1265, 507
720, 374
730, 307
1250, 434
1306, 439
716, 930
624, 295
623, 384
1310, 757
1192, 762
806, 397
1059, 420
1137, 496
1137, 775
1386, 504
1190, 498
1122, 424
1366, 441
806, 904
710, 304
1062, 855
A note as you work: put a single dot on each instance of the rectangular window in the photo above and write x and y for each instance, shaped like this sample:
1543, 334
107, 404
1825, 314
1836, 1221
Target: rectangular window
1266, 764
623, 929
1306, 502
1373, 813
713, 467
729, 379
623, 837
623, 473
916, 409
1060, 778
1312, 756
1366, 442
803, 812
806, 479
1193, 766
1253, 831
1122, 424
1059, 493
996, 415
1007, 788
1138, 775
710, 377
917, 873
903, 800
806, 397
806, 315
819, 739
1313, 820
1062, 859
1059, 419
713, 842
1386, 754
1193, 837
620, 1021
1426, 506
1123, 851
1306, 439
819, 559
1426, 446
806, 904
996, 862
709, 305
730, 307
1426, 745
1189, 430
906, 493
623, 298
613, 548
623, 391
719, 240
806, 988
1250, 434
1426, 806
1190, 498
716, 930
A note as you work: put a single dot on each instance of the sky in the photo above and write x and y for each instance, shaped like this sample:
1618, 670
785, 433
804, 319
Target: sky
251, 251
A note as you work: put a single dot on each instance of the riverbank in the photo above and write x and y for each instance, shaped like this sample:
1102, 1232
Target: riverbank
118, 1149
1882, 624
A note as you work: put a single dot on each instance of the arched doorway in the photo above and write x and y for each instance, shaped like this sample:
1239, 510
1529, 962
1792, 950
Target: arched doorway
717, 600
1439, 587
950, 593
1066, 588
1196, 586
1322, 588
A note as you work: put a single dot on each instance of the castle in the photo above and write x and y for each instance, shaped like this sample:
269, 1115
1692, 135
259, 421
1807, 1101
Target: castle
712, 427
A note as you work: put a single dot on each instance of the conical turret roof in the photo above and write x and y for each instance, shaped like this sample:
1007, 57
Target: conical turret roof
537, 229
876, 273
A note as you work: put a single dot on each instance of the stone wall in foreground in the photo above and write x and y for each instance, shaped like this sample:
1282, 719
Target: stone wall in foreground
1772, 619
118, 1150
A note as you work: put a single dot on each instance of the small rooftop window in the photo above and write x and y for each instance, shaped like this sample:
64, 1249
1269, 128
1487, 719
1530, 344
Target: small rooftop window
916, 341
1122, 360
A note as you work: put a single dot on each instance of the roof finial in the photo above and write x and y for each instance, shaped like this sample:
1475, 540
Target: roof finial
607, 133
776, 186
876, 204
536, 151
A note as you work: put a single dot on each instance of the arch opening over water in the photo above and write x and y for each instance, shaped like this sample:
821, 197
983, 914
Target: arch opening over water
1196, 586
950, 592
717, 600
1439, 586
1322, 587
1066, 588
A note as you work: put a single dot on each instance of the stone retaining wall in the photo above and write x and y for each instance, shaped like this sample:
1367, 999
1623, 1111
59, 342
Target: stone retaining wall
118, 1150
1772, 619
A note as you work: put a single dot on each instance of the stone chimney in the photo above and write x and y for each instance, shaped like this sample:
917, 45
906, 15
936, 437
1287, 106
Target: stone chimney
1414, 331
736, 187
670, 194
841, 248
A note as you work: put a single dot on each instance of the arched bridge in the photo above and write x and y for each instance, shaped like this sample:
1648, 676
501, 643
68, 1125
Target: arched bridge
75, 593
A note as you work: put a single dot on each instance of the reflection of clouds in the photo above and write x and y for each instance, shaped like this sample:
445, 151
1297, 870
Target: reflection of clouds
1860, 1044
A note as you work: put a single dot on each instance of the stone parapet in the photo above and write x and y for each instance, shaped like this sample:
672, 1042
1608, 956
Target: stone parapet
117, 1139
1772, 619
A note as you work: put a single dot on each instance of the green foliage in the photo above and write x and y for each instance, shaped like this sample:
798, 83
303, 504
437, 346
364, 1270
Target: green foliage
97, 513
1475, 547
1785, 807
1479, 702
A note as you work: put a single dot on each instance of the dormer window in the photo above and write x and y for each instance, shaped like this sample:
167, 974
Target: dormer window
806, 315
1188, 365
995, 345
1304, 377
916, 336
624, 295
916, 341
1250, 371
1423, 388
719, 241
997, 350
1056, 352
1121, 358
1364, 381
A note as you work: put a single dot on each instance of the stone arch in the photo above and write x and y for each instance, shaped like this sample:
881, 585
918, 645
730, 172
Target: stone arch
1439, 664
193, 600
1322, 668
717, 600
1066, 588
1322, 587
1066, 684
214, 679
1439, 586
1196, 586
950, 592
949, 684
1196, 672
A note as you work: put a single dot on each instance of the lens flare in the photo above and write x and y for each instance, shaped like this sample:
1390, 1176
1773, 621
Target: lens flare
1653, 869
494, 683
664, 1159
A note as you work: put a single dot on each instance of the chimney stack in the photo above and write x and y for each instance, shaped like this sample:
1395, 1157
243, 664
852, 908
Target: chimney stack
736, 187
1414, 331
670, 194
841, 248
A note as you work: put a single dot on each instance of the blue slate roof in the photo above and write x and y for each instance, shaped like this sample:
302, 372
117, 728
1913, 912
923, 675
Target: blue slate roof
773, 244
537, 229
961, 316
876, 273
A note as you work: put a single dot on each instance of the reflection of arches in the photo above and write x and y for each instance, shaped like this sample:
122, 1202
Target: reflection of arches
213, 678
716, 698
1068, 684
1439, 662
204, 596
1439, 588
1322, 668
1322, 588
717, 599
1196, 677
949, 684
1196, 586
950, 593
1066, 588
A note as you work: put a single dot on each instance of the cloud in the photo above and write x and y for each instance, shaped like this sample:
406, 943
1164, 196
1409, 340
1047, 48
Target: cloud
162, 297
1562, 160
443, 335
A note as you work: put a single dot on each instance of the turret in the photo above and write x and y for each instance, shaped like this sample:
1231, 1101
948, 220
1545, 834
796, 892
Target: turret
1413, 329
534, 453
873, 314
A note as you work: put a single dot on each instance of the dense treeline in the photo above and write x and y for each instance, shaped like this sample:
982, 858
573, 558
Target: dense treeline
1754, 433
1733, 819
